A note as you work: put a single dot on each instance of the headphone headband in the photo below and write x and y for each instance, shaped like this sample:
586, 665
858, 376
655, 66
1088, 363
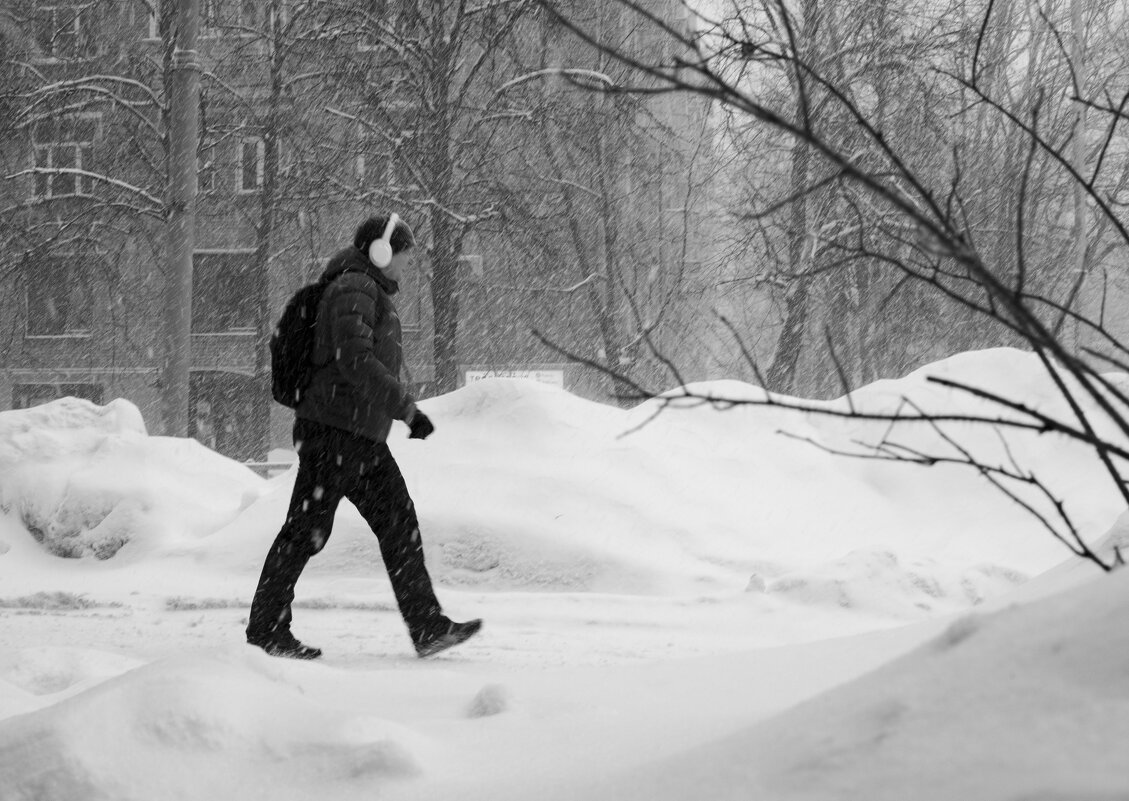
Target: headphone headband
389, 227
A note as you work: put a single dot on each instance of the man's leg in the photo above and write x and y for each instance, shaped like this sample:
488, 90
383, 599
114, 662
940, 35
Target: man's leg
309, 521
382, 498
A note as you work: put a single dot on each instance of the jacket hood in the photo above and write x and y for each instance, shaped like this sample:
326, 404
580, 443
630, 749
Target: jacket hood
352, 260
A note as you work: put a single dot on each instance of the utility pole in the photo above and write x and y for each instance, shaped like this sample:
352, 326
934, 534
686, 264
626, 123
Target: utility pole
184, 100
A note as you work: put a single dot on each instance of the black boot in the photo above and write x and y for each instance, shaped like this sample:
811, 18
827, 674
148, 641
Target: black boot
283, 643
441, 634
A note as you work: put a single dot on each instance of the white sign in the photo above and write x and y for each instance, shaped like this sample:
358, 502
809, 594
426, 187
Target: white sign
552, 377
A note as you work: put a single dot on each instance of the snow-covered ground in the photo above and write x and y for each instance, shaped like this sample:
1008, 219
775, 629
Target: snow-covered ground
691, 606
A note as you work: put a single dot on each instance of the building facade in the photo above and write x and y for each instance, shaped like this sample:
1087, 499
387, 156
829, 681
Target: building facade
287, 166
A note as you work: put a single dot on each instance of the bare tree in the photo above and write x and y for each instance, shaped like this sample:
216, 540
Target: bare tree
608, 188
893, 60
284, 72
920, 222
426, 74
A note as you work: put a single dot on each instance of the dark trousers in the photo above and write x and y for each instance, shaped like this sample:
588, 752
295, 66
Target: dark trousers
334, 464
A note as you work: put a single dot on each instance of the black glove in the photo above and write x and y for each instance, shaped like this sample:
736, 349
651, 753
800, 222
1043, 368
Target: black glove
421, 426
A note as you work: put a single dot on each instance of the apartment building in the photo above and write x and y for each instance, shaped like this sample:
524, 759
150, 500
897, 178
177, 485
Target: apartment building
284, 91
84, 167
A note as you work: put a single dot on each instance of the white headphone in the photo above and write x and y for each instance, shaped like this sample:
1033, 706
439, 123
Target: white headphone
380, 251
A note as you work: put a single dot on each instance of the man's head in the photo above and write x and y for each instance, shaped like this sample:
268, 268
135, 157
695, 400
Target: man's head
400, 238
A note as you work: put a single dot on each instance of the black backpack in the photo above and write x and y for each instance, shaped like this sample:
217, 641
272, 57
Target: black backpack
292, 345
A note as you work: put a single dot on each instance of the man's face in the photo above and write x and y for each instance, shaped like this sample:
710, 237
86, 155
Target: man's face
400, 265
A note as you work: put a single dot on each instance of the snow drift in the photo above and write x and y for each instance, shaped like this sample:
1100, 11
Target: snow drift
666, 610
86, 480
1028, 702
525, 487
213, 726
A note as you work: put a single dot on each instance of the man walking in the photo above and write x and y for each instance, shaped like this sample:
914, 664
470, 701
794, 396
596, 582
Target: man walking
343, 419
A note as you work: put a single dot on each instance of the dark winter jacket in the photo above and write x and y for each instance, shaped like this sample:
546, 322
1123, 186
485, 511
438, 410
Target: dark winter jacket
358, 342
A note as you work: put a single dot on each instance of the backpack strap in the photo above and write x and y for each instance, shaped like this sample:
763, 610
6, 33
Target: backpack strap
326, 284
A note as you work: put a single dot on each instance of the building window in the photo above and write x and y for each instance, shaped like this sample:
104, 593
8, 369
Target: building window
249, 16
225, 291
64, 151
382, 22
63, 32
377, 166
251, 164
287, 158
59, 302
240, 17
219, 17
221, 413
206, 167
210, 17
374, 169
152, 10
372, 14
24, 396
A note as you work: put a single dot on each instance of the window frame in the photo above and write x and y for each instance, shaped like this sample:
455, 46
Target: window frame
363, 168
206, 167
70, 260
79, 46
241, 171
373, 146
239, 330
212, 26
82, 150
252, 28
395, 21
154, 27
61, 391
220, 18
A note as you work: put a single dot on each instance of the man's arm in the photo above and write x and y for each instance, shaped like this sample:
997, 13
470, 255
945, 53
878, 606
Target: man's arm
353, 319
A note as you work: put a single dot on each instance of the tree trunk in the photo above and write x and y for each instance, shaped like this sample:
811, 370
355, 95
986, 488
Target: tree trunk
781, 376
445, 302
264, 324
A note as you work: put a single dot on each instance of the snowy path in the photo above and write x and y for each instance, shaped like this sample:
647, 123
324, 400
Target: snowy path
522, 630
581, 685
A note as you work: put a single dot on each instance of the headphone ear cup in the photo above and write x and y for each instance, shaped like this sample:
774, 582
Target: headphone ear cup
380, 253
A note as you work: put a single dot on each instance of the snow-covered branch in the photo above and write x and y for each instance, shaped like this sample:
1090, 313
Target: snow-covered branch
593, 77
92, 82
55, 171
467, 220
